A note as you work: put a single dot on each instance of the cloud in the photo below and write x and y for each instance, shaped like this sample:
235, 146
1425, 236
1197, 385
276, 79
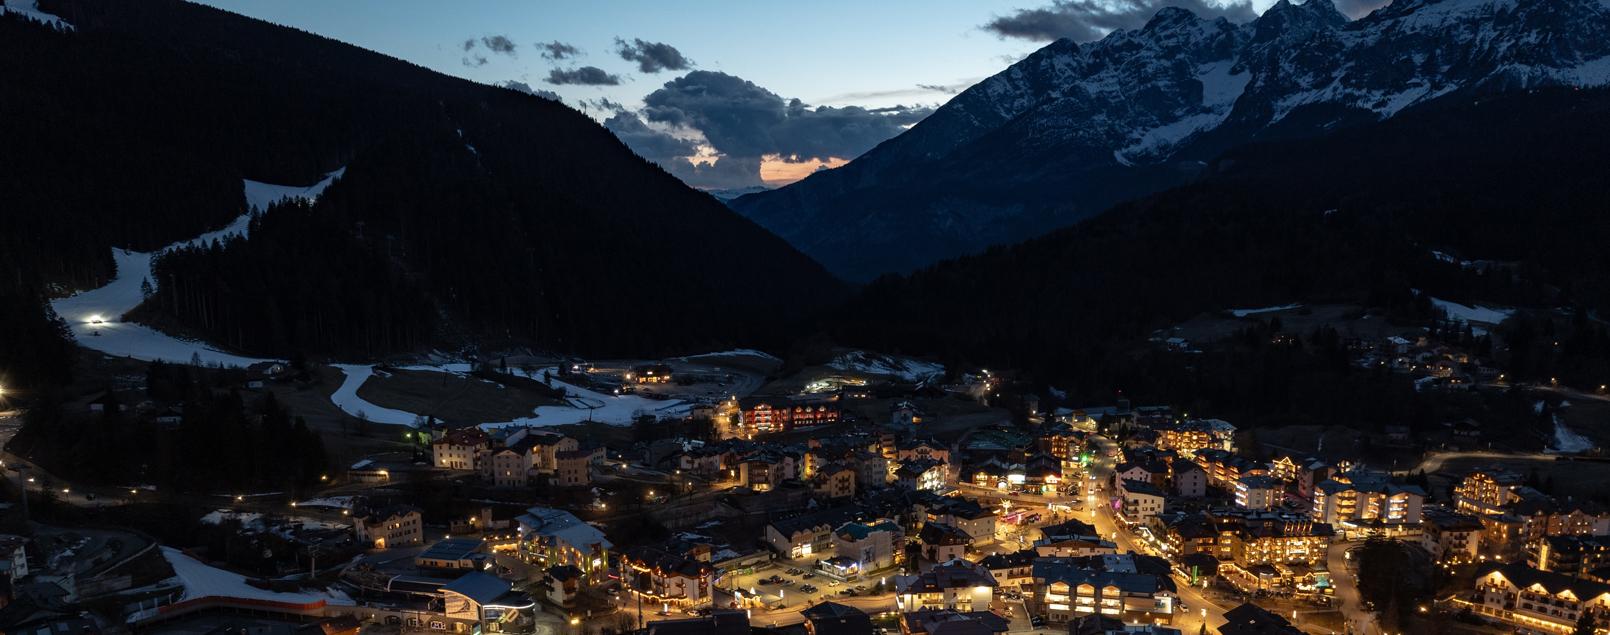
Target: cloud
582, 76
1086, 20
742, 119
1356, 9
473, 60
655, 145
469, 44
500, 44
948, 89
604, 104
557, 50
745, 124
679, 155
652, 57
527, 89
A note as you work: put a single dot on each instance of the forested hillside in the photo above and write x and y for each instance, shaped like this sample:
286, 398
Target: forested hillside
1352, 217
481, 214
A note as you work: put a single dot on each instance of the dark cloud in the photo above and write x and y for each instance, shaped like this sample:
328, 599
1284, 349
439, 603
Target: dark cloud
500, 44
741, 119
652, 57
1086, 20
672, 153
654, 145
469, 44
582, 76
557, 50
1356, 9
728, 173
527, 89
473, 60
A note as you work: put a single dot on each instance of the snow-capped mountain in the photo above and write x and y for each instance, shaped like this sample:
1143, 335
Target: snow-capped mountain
1072, 129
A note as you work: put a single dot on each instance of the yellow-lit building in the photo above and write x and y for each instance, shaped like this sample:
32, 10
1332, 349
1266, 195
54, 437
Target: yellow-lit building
1529, 600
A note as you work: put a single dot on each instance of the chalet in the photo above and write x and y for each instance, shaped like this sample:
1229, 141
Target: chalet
957, 585
920, 474
662, 578
832, 618
460, 449
952, 622
943, 543
1124, 587
563, 584
395, 526
1140, 500
549, 537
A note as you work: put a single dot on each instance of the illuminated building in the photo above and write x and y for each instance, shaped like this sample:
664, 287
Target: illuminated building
1451, 538
1259, 492
1109, 585
661, 578
1487, 492
650, 374
920, 475
1358, 498
395, 526
873, 546
778, 413
956, 585
551, 537
1189, 436
1535, 601
1580, 556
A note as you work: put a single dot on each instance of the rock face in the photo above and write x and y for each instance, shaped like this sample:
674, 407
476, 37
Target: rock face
1072, 129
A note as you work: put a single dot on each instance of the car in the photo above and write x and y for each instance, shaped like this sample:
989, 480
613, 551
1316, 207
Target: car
808, 575
1037, 621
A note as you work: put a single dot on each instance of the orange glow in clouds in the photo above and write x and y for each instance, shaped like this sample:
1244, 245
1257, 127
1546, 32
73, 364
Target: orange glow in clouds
776, 171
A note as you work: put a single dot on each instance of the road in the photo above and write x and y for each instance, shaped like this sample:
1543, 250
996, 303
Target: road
1359, 621
1199, 611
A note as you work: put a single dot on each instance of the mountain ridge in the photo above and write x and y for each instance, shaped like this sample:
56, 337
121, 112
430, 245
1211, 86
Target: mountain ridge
1073, 129
522, 221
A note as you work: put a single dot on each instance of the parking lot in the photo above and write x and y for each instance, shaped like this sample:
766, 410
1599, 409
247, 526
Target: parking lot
787, 585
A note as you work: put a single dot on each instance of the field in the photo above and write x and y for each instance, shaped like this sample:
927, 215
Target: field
1349, 320
451, 398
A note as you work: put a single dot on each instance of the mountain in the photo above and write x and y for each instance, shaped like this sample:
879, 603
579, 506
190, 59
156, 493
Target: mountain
1073, 129
466, 213
1364, 215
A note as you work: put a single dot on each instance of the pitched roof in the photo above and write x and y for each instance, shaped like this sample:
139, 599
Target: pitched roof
563, 525
832, 618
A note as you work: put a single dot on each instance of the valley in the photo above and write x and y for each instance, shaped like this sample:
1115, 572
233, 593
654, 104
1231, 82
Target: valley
1251, 318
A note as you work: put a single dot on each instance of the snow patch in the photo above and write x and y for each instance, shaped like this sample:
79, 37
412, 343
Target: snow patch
346, 398
95, 317
200, 581
1268, 309
30, 9
1476, 314
738, 352
906, 369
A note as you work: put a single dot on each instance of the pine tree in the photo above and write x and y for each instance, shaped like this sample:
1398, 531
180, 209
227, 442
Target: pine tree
1585, 624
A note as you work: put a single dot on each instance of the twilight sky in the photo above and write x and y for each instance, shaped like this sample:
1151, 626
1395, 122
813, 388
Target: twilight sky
754, 92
